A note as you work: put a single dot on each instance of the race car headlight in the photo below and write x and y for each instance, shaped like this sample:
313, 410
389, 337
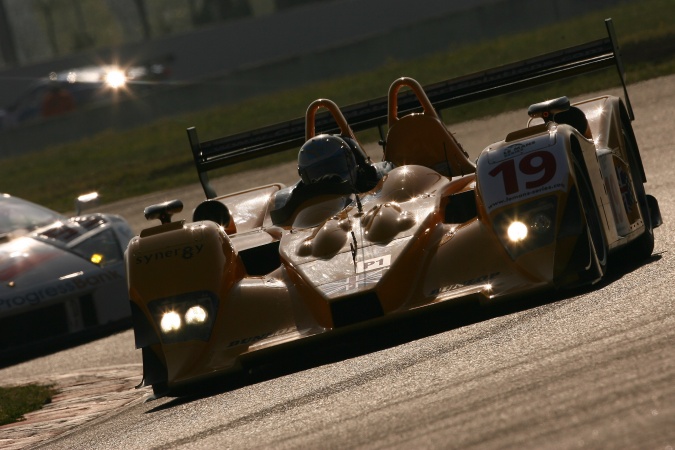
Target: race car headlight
170, 322
517, 231
541, 223
115, 79
527, 227
185, 317
195, 315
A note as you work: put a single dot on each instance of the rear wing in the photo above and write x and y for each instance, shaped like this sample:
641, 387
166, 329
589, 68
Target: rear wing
591, 56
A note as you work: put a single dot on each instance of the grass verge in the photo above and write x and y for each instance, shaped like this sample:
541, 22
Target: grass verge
17, 401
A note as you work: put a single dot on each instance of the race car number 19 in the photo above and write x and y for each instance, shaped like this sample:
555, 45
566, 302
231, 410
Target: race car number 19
541, 162
506, 178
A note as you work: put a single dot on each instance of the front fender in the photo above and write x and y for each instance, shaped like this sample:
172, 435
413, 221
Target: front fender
513, 172
530, 180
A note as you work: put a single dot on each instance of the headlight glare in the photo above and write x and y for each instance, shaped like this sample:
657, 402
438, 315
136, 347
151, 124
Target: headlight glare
517, 231
185, 317
170, 322
527, 226
195, 315
115, 79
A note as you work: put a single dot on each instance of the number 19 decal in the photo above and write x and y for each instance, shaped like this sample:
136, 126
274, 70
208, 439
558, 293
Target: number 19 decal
541, 163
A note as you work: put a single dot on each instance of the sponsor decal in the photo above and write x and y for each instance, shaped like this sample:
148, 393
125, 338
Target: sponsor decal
67, 286
373, 263
252, 339
516, 149
353, 283
526, 174
16, 264
182, 252
483, 279
624, 187
513, 198
368, 272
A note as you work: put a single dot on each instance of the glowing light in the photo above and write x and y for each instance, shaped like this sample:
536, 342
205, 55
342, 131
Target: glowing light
90, 197
115, 79
517, 231
195, 315
170, 322
96, 258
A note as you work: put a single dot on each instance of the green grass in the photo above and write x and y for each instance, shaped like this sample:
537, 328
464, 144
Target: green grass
156, 157
17, 401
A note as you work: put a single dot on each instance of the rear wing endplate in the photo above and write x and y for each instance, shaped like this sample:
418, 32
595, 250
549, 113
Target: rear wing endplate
566, 63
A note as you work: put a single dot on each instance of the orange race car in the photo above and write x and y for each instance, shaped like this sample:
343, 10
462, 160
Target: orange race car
357, 242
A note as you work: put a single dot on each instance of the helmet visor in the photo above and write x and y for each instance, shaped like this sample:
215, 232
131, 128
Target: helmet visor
337, 165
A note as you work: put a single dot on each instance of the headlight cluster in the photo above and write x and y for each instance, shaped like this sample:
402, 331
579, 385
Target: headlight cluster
185, 317
528, 226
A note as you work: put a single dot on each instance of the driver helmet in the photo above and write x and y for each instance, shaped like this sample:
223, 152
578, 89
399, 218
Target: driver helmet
326, 156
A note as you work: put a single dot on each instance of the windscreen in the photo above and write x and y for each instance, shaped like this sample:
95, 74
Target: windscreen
17, 214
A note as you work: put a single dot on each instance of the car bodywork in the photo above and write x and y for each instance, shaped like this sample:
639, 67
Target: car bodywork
545, 208
60, 276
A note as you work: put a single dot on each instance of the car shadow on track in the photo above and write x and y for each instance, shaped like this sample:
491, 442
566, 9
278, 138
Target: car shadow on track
359, 341
17, 354
617, 269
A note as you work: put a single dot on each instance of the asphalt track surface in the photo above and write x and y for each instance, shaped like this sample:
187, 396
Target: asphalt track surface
590, 369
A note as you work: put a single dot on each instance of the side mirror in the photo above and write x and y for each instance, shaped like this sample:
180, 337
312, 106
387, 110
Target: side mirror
86, 200
163, 211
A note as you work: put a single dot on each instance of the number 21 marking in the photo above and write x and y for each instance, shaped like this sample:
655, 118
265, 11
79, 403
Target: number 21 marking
532, 164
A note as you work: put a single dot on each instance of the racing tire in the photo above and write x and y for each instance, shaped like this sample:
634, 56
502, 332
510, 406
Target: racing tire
160, 390
642, 247
597, 263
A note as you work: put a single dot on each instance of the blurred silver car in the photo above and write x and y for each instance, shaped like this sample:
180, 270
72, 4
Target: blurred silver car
59, 276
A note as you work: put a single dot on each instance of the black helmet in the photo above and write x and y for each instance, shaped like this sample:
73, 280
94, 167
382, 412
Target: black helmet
326, 156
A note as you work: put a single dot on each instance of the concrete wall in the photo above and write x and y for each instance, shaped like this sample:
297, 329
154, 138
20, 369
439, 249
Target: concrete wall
299, 47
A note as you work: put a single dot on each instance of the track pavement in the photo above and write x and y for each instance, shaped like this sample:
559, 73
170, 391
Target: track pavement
594, 369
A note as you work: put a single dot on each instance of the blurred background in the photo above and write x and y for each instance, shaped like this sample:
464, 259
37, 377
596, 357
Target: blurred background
186, 55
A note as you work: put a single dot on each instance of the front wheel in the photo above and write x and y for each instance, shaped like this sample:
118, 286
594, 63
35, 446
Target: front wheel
597, 261
643, 246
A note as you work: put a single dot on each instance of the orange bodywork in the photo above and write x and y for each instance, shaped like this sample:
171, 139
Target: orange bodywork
433, 229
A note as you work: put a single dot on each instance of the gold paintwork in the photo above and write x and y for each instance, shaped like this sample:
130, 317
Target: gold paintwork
394, 245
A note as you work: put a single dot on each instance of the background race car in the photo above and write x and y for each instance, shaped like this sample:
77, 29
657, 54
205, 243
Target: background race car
356, 243
68, 90
61, 277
